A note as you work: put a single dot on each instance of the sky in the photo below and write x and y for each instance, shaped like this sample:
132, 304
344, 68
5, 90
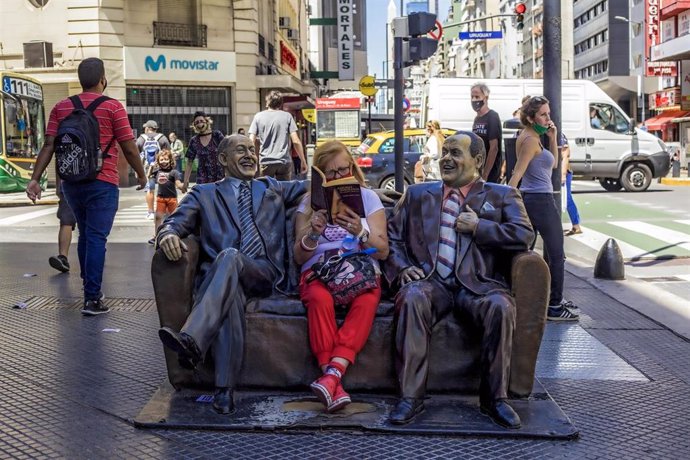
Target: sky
377, 12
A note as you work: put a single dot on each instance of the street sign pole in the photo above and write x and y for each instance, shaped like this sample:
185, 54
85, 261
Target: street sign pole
552, 79
398, 106
369, 121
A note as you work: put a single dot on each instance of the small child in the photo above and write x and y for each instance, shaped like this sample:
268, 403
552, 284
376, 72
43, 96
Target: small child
169, 180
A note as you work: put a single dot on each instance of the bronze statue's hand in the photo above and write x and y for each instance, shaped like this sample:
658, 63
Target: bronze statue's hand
318, 222
411, 274
349, 220
467, 221
172, 247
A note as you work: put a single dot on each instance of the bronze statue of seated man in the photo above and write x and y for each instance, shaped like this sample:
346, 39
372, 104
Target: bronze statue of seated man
240, 222
446, 239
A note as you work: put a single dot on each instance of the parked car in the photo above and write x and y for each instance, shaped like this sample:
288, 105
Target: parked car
376, 156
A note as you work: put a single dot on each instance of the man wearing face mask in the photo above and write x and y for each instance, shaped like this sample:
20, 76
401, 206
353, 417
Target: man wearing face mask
487, 125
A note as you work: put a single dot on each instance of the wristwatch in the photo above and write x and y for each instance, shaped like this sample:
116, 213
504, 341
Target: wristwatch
363, 235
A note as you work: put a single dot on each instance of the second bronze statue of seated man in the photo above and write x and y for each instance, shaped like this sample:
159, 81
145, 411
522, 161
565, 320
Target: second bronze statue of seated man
446, 239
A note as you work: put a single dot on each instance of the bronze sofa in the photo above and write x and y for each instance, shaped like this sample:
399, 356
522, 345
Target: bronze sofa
277, 349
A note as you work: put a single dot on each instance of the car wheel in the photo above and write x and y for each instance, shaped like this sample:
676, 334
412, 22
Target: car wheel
610, 185
636, 177
389, 183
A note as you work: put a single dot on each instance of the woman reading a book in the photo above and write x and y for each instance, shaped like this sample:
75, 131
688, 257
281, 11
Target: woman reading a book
340, 216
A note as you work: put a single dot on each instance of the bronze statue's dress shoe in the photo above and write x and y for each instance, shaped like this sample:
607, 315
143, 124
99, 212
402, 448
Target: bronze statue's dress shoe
223, 402
501, 413
406, 410
182, 344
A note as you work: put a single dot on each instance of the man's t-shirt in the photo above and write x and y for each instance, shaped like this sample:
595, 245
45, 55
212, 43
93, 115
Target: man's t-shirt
166, 182
112, 121
273, 128
488, 127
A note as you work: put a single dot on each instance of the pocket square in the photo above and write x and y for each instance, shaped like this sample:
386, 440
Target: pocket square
487, 207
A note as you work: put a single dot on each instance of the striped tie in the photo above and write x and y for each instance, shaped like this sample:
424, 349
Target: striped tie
250, 244
448, 237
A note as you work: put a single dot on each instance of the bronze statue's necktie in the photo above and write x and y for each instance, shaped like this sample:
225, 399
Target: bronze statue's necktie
250, 244
448, 237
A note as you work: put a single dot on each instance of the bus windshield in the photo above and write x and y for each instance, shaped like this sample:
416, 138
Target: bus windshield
24, 125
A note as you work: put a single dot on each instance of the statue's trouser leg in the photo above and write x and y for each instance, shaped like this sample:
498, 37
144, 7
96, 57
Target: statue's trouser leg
217, 317
494, 314
419, 305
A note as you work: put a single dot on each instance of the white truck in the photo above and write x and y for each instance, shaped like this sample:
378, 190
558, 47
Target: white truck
617, 154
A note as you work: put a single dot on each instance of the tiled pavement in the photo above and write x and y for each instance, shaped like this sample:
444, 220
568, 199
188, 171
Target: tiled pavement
70, 390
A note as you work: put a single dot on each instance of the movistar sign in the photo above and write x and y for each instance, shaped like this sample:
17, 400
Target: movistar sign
152, 65
171, 64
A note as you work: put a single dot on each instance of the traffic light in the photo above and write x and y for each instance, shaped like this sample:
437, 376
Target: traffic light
520, 9
417, 46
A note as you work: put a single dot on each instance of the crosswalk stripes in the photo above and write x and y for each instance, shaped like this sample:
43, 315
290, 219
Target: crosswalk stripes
132, 216
7, 221
595, 240
669, 236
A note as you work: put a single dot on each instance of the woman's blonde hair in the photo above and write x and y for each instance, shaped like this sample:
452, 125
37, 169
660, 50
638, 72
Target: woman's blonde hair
436, 132
329, 150
323, 155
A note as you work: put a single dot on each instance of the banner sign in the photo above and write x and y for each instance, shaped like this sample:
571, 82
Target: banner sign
334, 103
685, 86
652, 38
346, 41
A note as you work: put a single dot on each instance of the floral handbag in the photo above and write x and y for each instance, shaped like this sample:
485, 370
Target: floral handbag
347, 275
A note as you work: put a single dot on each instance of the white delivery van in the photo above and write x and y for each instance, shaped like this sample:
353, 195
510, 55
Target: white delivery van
617, 154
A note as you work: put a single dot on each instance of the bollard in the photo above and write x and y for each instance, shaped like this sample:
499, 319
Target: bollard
609, 264
675, 168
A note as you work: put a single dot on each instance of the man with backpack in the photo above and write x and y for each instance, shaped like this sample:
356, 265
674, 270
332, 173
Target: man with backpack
78, 129
150, 143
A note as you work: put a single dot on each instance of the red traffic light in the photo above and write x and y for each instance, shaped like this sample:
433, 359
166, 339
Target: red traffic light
520, 8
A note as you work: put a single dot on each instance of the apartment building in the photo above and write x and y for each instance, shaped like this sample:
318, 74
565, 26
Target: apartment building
165, 59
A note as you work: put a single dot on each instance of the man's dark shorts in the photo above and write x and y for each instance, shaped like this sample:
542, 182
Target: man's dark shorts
65, 214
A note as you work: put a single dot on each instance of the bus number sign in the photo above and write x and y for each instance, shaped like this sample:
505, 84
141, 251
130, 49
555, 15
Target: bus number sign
22, 87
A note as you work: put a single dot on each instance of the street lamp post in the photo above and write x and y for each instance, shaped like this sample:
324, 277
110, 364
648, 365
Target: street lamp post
640, 81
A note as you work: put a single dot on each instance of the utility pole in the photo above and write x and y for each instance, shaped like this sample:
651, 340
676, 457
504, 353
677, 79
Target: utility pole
552, 79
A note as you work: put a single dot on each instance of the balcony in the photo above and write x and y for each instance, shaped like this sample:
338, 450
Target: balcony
172, 34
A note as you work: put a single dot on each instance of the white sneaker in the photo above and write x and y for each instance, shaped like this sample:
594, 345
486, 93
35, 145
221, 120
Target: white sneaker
150, 215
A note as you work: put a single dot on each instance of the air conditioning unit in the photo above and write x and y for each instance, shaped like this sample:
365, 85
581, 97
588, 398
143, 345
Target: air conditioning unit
38, 54
284, 22
292, 34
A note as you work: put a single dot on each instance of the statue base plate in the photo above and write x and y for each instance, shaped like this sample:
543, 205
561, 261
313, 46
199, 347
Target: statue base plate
456, 415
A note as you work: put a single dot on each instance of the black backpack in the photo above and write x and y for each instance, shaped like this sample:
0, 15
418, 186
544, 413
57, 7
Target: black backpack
78, 154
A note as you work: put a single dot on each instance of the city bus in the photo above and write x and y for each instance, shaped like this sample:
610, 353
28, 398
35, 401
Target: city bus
22, 129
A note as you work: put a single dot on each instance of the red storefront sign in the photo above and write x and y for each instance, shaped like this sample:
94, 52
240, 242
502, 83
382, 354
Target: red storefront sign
652, 38
328, 103
287, 57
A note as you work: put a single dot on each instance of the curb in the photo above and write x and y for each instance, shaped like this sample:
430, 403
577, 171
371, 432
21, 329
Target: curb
675, 181
15, 204
662, 307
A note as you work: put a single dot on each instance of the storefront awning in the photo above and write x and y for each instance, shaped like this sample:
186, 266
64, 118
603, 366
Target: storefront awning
285, 84
292, 103
659, 122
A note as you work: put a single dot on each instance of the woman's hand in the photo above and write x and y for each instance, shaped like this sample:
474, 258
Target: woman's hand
552, 131
349, 220
318, 222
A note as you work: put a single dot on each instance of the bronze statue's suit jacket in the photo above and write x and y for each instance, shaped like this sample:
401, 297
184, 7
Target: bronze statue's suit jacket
413, 233
210, 212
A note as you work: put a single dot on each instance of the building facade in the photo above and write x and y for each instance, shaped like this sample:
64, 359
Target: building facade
165, 59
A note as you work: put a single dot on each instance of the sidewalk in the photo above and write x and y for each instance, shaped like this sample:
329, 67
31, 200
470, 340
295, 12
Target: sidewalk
72, 385
681, 180
8, 200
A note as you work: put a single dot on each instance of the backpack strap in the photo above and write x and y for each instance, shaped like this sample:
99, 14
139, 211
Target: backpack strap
96, 102
76, 102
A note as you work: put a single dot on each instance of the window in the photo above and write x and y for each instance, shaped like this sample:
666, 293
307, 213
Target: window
605, 116
24, 126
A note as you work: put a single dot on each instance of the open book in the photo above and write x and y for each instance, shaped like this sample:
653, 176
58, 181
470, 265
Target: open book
335, 195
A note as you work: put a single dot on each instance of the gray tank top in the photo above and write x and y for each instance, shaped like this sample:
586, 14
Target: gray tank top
537, 177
